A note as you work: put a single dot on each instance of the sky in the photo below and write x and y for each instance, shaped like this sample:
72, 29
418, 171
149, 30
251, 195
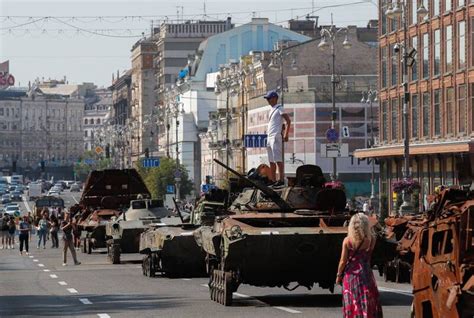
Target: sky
65, 38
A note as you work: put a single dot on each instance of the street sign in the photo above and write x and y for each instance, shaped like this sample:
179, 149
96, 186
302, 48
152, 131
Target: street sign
332, 135
150, 162
170, 189
345, 132
207, 187
334, 150
99, 150
177, 174
255, 141
89, 161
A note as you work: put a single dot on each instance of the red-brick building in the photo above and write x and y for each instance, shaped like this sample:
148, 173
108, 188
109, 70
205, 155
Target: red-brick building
441, 86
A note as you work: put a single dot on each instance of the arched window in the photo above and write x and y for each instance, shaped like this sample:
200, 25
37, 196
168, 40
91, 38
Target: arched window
97, 121
86, 121
92, 121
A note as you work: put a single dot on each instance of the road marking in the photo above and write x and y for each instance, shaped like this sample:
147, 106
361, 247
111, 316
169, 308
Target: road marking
75, 199
46, 270
186, 278
291, 311
62, 283
396, 291
103, 316
85, 301
205, 285
241, 295
40, 265
72, 290
35, 260
31, 256
53, 276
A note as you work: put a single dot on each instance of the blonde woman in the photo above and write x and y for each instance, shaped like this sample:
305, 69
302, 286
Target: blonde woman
360, 296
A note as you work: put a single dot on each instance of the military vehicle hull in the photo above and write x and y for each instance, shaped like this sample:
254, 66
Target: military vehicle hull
172, 251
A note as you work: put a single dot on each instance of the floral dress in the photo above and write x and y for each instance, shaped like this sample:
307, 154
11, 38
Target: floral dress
360, 295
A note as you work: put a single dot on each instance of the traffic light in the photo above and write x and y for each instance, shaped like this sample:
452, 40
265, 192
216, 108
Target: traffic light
42, 166
147, 153
14, 166
107, 151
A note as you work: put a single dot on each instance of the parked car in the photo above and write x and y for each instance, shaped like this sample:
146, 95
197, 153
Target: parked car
6, 199
53, 193
12, 209
75, 187
16, 196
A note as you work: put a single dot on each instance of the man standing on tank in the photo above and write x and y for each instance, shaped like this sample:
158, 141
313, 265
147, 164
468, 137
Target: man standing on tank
276, 135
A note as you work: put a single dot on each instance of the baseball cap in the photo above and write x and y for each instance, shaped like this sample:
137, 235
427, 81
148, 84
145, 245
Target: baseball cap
271, 94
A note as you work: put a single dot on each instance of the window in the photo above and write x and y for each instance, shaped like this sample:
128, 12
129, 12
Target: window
461, 44
384, 66
394, 104
385, 120
437, 112
461, 3
441, 243
394, 70
426, 114
447, 5
450, 110
472, 107
472, 41
426, 56
98, 121
414, 15
393, 24
86, 121
462, 108
414, 68
449, 48
414, 116
1, 111
437, 52
436, 6
85, 133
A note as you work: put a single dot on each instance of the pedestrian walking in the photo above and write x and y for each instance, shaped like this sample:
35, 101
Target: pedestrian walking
54, 229
68, 240
277, 134
4, 230
24, 227
11, 232
42, 228
360, 295
76, 232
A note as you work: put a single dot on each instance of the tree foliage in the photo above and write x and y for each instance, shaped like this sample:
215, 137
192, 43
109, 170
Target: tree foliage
90, 161
157, 179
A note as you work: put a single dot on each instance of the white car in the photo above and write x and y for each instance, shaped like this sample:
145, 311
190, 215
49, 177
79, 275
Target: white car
12, 209
53, 193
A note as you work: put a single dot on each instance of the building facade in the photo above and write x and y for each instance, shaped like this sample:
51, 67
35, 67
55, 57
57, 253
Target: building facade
96, 114
441, 97
42, 124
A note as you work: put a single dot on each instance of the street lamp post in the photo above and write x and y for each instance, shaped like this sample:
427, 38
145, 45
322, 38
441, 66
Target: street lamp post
331, 34
371, 97
394, 12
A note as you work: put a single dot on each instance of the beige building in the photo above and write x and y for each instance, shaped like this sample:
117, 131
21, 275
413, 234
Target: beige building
43, 123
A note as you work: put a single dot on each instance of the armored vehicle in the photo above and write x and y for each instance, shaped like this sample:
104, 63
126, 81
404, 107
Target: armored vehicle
107, 193
172, 249
444, 255
276, 237
123, 233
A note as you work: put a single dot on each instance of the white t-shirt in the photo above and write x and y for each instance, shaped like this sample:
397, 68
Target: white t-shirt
275, 121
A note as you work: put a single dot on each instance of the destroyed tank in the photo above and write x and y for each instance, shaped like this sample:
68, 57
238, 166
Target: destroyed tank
107, 193
276, 237
123, 233
172, 250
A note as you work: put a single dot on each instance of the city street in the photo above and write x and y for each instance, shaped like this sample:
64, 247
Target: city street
38, 285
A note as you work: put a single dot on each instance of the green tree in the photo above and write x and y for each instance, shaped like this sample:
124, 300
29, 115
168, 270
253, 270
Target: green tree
88, 162
156, 179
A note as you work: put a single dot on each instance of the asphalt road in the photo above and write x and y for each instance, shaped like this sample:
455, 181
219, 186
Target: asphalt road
38, 285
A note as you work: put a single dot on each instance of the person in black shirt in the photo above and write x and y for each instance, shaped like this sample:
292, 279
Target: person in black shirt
66, 227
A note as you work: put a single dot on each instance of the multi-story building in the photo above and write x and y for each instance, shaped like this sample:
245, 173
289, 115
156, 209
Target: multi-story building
143, 97
42, 124
96, 113
441, 96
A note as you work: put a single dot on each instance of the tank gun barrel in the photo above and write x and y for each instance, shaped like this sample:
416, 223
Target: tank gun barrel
275, 197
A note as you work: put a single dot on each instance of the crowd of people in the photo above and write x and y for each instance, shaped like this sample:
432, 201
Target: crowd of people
47, 228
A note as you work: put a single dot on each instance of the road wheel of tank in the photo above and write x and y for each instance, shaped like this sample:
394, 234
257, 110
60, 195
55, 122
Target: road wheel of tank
84, 249
114, 253
228, 288
151, 266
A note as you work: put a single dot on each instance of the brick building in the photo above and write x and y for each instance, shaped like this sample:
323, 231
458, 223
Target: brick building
441, 86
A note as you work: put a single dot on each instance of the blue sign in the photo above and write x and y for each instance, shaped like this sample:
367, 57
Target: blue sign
207, 187
151, 162
332, 135
170, 189
89, 161
255, 141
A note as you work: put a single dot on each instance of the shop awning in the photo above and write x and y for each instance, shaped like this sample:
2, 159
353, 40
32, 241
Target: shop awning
417, 149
